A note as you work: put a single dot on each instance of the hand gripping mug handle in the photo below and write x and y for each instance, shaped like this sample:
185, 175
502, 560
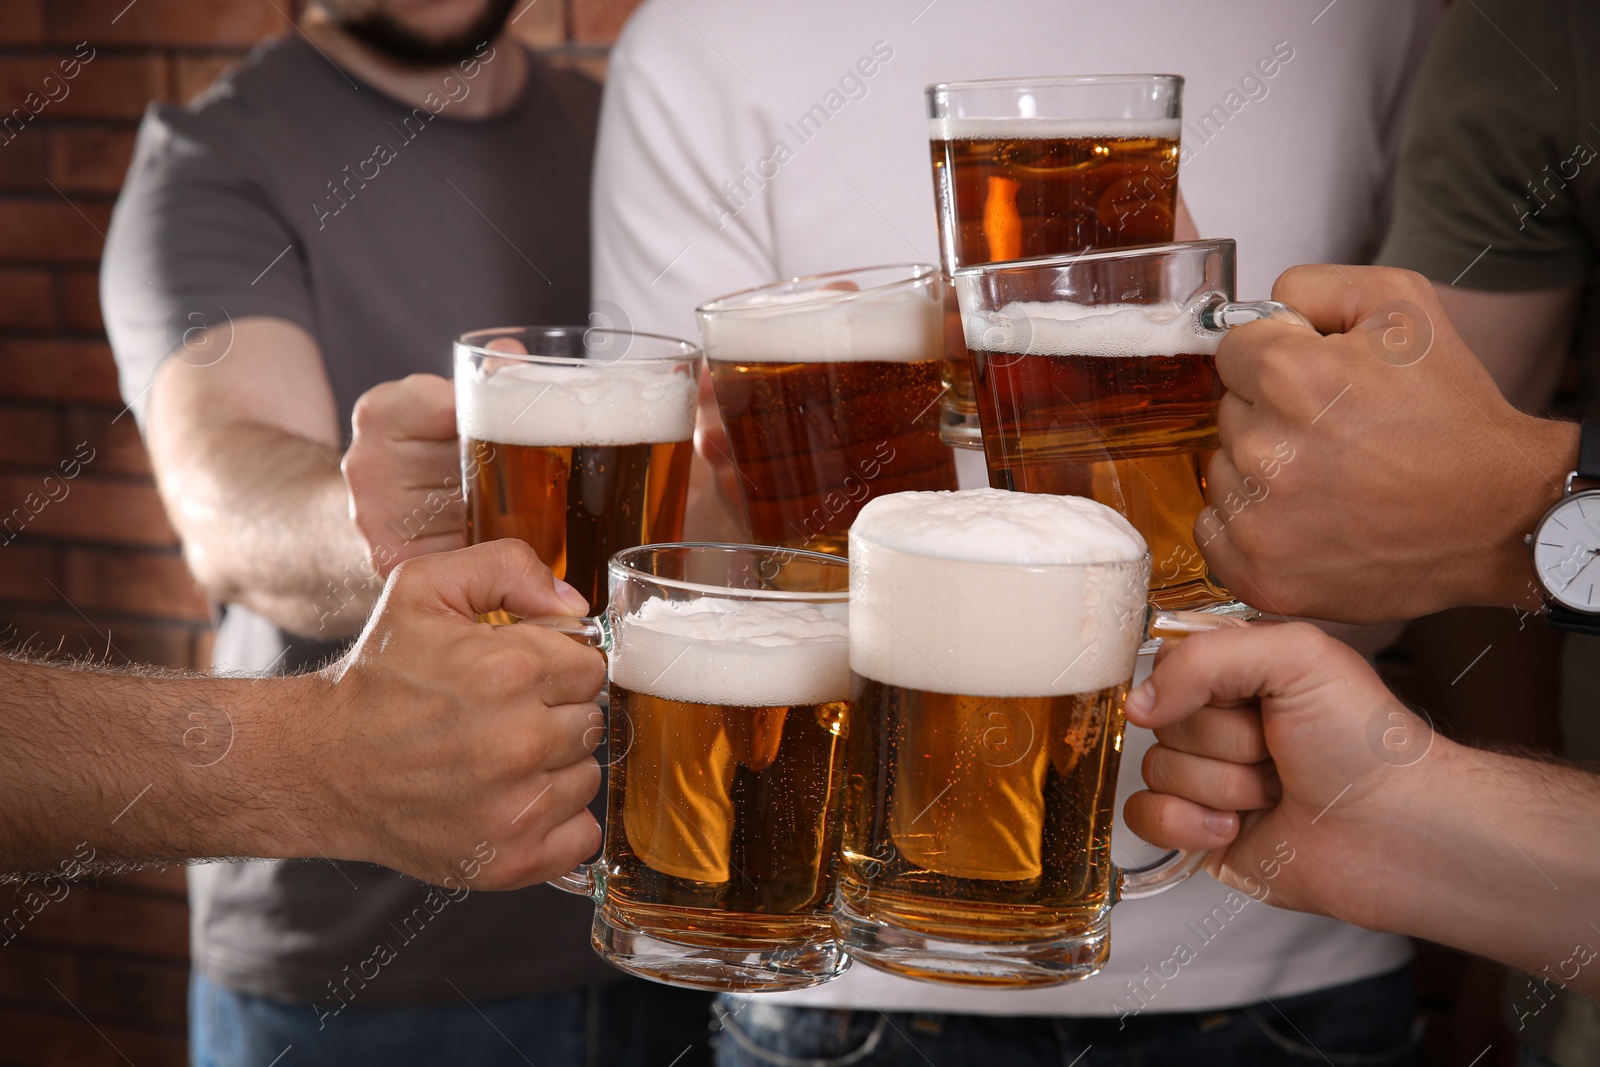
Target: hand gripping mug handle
594, 631
1176, 866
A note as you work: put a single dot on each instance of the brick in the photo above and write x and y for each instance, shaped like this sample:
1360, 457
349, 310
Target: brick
79, 301
599, 21
62, 631
165, 22
23, 971
91, 509
194, 74
591, 64
539, 23
67, 1040
52, 229
81, 371
21, 22
154, 585
27, 300
170, 882
90, 919
27, 571
22, 162
118, 448
29, 436
108, 86
90, 159
151, 993
205, 642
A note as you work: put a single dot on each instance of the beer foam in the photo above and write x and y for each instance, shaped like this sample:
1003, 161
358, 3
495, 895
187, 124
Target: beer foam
1058, 328
739, 653
826, 326
550, 405
985, 592
1015, 128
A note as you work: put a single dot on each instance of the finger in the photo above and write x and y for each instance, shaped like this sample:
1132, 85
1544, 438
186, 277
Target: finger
574, 732
549, 799
557, 669
504, 575
534, 859
1173, 822
1214, 783
411, 548
419, 406
1227, 666
507, 344
1183, 227
1234, 734
1338, 299
1246, 353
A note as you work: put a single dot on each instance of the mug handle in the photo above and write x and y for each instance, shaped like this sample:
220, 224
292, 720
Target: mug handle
594, 631
1226, 314
1176, 866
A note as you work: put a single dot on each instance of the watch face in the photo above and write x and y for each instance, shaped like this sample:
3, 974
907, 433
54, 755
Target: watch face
1566, 552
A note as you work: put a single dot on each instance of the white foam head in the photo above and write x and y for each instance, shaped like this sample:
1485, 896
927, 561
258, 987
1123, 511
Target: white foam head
551, 405
1017, 128
984, 592
1059, 328
899, 325
753, 653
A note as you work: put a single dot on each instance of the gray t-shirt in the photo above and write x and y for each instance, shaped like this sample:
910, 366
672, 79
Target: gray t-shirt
289, 190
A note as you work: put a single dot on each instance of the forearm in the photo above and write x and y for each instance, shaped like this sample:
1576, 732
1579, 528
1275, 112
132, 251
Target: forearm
137, 769
1503, 863
265, 521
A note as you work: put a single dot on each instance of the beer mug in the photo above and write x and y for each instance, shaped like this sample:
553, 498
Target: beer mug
829, 387
729, 672
1041, 167
575, 440
983, 750
1096, 376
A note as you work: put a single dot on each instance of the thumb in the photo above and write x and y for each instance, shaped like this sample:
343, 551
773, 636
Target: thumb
1223, 667
504, 575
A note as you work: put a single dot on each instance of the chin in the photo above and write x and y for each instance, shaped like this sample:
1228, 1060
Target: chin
436, 19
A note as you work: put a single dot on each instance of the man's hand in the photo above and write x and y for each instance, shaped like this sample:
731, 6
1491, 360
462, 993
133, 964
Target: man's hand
1282, 752
437, 732
1315, 789
403, 470
1375, 473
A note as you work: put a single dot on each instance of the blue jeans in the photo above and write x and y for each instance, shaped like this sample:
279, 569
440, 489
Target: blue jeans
1367, 1023
633, 1023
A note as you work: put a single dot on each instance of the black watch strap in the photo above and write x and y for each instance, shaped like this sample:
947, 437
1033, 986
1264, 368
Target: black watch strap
1574, 621
1589, 451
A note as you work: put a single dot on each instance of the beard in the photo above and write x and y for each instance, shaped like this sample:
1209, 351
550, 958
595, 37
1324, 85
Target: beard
380, 31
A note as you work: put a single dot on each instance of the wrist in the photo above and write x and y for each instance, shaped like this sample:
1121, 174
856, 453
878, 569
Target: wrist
1529, 484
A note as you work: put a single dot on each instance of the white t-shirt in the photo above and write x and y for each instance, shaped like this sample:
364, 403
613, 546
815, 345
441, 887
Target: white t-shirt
716, 171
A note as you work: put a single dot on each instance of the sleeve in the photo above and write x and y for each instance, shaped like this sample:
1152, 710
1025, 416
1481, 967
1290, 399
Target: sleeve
667, 236
194, 245
1485, 192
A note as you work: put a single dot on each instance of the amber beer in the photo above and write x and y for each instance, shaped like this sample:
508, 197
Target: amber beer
724, 811
578, 461
1114, 402
1016, 188
1042, 168
829, 388
984, 744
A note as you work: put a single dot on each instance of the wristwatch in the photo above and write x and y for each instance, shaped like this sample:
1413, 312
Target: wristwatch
1566, 544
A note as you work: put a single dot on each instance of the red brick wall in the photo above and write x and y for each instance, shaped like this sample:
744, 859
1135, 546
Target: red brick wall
89, 567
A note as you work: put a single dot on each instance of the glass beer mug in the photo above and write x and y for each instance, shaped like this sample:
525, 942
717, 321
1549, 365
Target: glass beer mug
1096, 376
729, 675
993, 637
